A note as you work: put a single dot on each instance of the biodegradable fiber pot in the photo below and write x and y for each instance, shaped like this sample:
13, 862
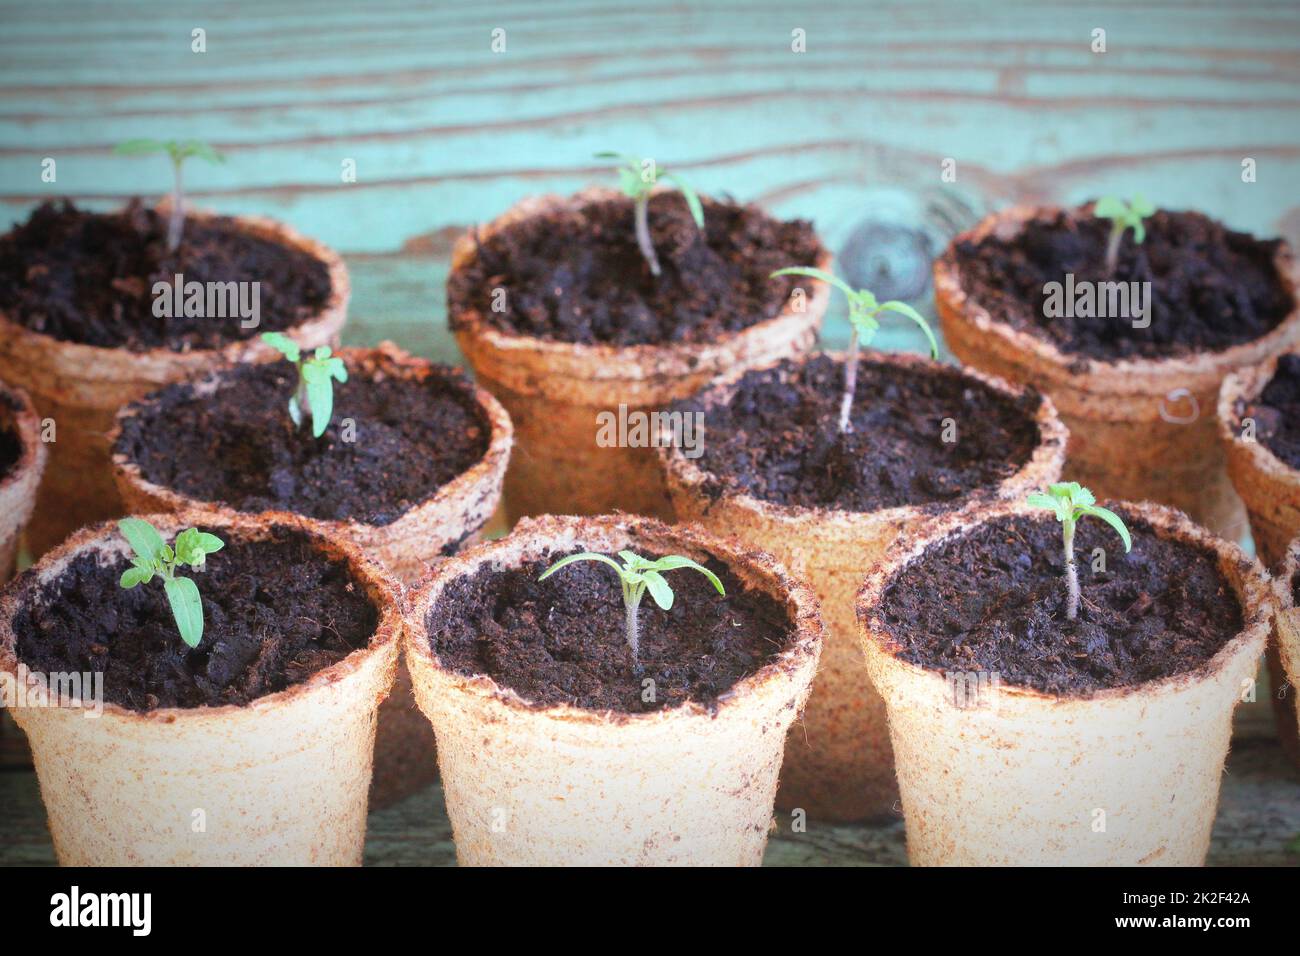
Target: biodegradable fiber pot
1124, 777
1140, 429
1270, 489
838, 764
451, 517
555, 785
555, 390
1269, 486
280, 781
81, 386
18, 487
1285, 649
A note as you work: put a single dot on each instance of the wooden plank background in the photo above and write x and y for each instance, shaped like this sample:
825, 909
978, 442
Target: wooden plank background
852, 133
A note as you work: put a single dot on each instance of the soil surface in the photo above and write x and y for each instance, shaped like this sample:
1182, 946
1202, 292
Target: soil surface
562, 640
579, 276
239, 447
88, 277
11, 450
994, 601
1277, 411
275, 612
778, 439
1211, 287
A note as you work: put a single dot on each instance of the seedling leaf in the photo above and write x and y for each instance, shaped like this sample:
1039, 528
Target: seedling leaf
154, 557
659, 589
638, 187
863, 312
187, 608
1070, 501
1111, 519
143, 537
636, 575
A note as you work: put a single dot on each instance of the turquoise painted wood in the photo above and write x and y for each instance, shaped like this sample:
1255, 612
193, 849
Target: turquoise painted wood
446, 132
852, 133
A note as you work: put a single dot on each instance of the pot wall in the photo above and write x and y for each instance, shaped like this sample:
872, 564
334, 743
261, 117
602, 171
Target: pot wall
838, 761
81, 387
552, 786
282, 781
1010, 776
450, 520
554, 392
1139, 430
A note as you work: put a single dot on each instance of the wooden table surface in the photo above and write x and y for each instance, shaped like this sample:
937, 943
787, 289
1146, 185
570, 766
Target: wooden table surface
853, 134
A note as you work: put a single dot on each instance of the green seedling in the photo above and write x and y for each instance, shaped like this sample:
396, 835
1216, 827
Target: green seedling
316, 377
178, 151
1122, 216
637, 178
154, 557
863, 312
1070, 501
638, 575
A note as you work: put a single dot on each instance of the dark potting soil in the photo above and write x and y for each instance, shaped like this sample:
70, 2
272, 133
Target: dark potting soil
579, 276
778, 439
88, 277
275, 613
1211, 287
1277, 411
561, 641
11, 445
239, 447
995, 601
11, 450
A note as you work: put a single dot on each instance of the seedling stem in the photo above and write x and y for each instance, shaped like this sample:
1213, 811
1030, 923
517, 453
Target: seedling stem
178, 151
1070, 501
316, 377
636, 575
637, 178
1123, 216
153, 556
863, 312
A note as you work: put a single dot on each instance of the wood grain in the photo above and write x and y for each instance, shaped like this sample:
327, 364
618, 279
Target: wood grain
446, 133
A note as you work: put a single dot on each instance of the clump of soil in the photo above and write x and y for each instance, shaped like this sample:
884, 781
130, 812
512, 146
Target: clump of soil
1277, 411
562, 640
578, 275
778, 438
237, 445
275, 613
88, 277
995, 601
1211, 287
11, 450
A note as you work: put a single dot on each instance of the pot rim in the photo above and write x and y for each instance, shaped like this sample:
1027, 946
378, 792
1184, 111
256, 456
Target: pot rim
602, 361
1045, 460
27, 423
104, 538
490, 465
1142, 376
532, 537
1245, 384
1285, 573
93, 356
1253, 595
